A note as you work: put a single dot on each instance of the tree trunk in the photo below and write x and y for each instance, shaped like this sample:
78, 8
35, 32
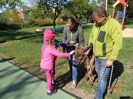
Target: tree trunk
54, 20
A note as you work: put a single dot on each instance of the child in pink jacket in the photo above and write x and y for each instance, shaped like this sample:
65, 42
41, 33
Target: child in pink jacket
47, 58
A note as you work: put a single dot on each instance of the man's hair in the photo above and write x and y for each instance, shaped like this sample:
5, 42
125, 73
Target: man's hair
99, 11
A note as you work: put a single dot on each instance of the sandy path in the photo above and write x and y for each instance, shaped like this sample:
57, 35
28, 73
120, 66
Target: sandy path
127, 32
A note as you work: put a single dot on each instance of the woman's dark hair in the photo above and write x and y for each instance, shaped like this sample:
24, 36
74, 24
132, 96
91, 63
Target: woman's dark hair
72, 20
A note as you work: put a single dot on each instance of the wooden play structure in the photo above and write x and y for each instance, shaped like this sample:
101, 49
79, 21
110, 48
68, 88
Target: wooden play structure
121, 14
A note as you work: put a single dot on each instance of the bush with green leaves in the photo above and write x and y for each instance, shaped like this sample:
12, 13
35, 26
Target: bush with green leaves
42, 22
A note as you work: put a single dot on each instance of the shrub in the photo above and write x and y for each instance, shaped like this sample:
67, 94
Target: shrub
3, 26
43, 22
14, 26
27, 24
60, 23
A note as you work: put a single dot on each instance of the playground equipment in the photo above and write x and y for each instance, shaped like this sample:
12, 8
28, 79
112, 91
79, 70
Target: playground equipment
121, 14
58, 28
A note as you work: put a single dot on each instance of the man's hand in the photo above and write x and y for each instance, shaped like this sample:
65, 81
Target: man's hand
87, 52
109, 63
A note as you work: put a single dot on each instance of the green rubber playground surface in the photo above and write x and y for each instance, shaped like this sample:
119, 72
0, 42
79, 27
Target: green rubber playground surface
59, 28
16, 83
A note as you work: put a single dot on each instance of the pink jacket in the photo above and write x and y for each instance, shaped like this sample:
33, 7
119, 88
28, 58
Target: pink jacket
48, 55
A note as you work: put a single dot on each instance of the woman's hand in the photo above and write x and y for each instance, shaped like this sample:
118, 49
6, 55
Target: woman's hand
72, 42
72, 52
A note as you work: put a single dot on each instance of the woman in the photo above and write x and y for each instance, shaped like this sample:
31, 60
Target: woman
73, 33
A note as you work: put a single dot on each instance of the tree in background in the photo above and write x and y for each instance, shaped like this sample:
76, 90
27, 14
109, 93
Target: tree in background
80, 9
10, 4
5, 17
14, 17
10, 7
88, 10
38, 16
129, 9
76, 8
53, 8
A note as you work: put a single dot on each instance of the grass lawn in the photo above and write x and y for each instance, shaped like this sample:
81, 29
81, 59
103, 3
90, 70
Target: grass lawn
23, 48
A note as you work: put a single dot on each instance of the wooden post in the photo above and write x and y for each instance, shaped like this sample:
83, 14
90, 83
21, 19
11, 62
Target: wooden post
124, 15
106, 5
113, 12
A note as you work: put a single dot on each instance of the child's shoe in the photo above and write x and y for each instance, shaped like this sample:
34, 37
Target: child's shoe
51, 92
54, 87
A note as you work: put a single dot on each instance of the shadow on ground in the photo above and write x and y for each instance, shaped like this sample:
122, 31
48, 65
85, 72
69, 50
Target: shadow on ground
64, 79
117, 71
126, 97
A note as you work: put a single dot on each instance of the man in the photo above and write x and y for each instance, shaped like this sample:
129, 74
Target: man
73, 33
106, 41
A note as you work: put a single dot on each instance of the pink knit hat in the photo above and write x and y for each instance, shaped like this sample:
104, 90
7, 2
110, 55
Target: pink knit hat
48, 34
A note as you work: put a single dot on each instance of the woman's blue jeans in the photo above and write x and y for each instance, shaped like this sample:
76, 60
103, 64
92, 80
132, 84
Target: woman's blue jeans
102, 85
73, 68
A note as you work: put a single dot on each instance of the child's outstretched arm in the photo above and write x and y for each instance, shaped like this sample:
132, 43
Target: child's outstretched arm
72, 52
57, 53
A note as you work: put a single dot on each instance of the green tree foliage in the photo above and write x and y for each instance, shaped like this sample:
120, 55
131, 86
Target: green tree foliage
80, 9
53, 8
5, 17
89, 9
11, 8
14, 18
129, 9
76, 8
38, 12
39, 16
11, 17
9, 3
